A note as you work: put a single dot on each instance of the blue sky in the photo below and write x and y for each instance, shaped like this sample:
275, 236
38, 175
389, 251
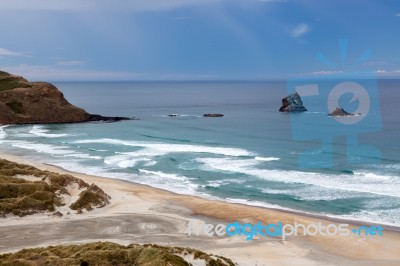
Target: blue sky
195, 39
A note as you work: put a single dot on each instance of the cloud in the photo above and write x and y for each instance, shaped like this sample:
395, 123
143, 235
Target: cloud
388, 73
398, 15
327, 72
99, 4
53, 73
5, 52
273, 1
70, 63
300, 30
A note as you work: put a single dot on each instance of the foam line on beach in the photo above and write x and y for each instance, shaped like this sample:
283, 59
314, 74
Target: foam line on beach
3, 134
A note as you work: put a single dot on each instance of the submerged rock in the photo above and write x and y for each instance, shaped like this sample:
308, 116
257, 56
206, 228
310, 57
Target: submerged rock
93, 118
58, 214
292, 103
213, 115
340, 112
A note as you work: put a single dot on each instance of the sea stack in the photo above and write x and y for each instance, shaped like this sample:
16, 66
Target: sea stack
292, 103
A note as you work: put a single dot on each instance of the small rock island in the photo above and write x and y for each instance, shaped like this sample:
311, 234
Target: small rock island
340, 112
24, 102
213, 115
292, 103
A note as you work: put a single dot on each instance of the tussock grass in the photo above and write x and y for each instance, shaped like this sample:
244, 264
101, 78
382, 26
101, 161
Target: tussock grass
9, 82
92, 196
21, 197
107, 253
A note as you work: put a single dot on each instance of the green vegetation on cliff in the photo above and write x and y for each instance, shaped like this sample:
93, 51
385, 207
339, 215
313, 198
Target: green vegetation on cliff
9, 82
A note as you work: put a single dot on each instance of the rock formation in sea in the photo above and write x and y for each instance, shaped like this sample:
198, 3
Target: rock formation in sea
24, 102
292, 103
340, 112
213, 115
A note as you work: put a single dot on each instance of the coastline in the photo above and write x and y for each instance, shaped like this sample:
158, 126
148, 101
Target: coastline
143, 214
321, 217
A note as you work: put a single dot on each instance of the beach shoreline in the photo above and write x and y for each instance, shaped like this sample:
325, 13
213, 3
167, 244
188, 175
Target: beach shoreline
322, 217
142, 214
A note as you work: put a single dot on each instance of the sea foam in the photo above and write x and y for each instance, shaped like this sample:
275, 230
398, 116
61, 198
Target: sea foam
40, 131
3, 134
363, 183
164, 148
61, 151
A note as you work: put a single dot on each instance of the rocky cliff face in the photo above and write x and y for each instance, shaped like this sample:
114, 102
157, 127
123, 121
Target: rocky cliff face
292, 103
23, 102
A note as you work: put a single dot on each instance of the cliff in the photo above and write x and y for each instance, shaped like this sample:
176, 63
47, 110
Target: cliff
24, 102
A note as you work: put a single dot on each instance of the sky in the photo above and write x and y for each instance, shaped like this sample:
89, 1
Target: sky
97, 40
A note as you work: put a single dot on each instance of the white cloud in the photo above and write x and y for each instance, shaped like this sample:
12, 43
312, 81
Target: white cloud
272, 1
300, 30
70, 63
5, 52
327, 72
99, 4
379, 72
138, 5
398, 15
388, 73
51, 73
54, 73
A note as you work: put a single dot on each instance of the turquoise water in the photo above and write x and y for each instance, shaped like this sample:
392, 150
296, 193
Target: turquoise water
248, 156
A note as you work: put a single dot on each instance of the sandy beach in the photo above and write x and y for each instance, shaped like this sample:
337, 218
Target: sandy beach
142, 214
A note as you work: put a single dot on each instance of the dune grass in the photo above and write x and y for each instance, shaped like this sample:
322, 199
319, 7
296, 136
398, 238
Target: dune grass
22, 197
107, 253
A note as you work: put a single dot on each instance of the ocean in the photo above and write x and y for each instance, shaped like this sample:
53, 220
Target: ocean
248, 156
